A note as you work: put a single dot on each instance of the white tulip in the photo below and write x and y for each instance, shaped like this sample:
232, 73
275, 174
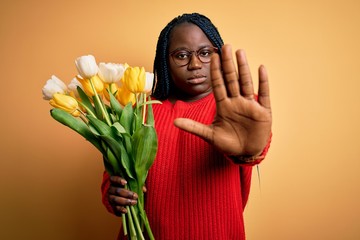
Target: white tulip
111, 72
148, 82
86, 66
73, 86
52, 86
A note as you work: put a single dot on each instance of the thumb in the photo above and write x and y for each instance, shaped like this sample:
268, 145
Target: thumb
201, 130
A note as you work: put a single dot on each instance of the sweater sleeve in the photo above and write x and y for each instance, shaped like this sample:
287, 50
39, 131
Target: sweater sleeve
245, 180
246, 173
104, 189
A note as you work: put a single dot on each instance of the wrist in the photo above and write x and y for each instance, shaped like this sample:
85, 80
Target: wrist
247, 159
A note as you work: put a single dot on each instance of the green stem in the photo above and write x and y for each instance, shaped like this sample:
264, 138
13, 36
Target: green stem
87, 109
145, 221
131, 223
144, 108
133, 219
123, 218
137, 224
106, 116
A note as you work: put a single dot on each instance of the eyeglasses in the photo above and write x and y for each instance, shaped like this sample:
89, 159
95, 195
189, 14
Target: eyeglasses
182, 57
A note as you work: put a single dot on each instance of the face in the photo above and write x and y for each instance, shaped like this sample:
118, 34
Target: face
191, 81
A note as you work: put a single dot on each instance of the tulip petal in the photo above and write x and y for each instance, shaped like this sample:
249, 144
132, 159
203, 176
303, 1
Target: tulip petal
111, 72
52, 86
149, 82
86, 66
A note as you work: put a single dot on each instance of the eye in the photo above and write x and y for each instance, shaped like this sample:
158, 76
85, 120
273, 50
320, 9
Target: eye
205, 52
182, 55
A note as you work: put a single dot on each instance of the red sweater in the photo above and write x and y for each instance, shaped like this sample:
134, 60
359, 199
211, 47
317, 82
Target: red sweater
193, 191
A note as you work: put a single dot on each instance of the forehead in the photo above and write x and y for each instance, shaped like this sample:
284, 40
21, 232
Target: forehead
187, 35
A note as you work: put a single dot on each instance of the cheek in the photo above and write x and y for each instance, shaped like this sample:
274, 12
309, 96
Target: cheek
177, 74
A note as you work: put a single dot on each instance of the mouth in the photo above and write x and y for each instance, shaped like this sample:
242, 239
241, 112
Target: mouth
197, 79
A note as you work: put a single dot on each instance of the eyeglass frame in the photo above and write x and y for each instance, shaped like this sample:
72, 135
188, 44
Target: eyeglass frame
215, 50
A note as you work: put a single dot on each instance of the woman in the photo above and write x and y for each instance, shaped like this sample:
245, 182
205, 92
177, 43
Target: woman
212, 129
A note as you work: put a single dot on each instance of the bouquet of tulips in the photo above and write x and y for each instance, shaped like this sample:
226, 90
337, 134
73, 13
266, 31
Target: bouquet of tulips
108, 104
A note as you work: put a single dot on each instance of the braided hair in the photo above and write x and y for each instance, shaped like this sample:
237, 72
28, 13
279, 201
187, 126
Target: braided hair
163, 84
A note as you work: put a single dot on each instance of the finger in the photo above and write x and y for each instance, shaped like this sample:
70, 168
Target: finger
118, 181
121, 202
199, 129
264, 89
217, 80
122, 192
229, 72
120, 210
246, 84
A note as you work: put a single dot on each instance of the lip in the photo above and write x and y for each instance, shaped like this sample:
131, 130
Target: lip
197, 79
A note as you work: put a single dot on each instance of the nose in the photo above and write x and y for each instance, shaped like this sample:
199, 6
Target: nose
195, 62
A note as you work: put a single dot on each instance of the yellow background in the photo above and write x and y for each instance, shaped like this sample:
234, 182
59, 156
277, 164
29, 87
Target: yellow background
50, 176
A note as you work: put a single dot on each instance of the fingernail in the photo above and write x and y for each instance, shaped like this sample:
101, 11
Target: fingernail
121, 209
132, 202
123, 182
135, 196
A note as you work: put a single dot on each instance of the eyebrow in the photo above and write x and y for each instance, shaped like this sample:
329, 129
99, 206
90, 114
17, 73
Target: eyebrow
189, 50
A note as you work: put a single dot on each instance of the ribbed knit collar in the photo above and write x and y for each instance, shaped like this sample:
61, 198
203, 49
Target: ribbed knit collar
179, 104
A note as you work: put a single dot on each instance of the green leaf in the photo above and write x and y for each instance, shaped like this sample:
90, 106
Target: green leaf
114, 142
112, 161
77, 125
115, 105
137, 121
100, 126
144, 151
85, 99
99, 107
119, 128
150, 116
113, 117
108, 167
117, 147
126, 120
127, 117
128, 146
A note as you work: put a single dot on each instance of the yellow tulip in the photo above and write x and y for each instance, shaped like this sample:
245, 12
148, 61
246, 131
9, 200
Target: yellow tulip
134, 79
124, 96
66, 103
98, 84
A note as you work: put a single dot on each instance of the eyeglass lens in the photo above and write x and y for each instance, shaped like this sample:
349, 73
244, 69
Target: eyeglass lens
183, 57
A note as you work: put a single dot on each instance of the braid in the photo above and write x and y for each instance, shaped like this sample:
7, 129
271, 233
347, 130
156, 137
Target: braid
163, 83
